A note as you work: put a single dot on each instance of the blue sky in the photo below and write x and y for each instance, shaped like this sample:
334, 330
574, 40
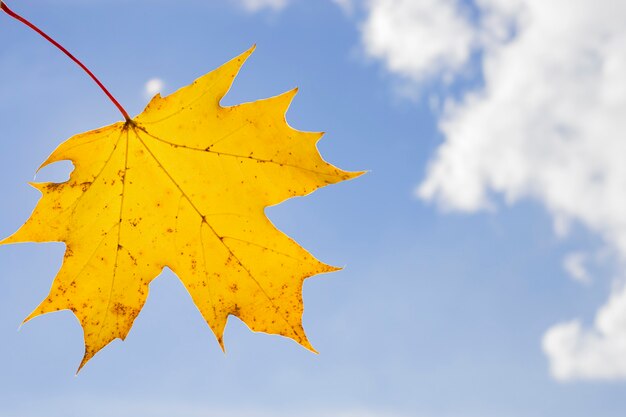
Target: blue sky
483, 251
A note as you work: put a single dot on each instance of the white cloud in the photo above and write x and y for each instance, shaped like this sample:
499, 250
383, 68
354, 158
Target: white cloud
548, 124
256, 5
597, 353
417, 39
574, 265
153, 86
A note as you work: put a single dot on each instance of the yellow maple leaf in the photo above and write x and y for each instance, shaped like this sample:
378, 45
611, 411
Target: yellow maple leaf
183, 185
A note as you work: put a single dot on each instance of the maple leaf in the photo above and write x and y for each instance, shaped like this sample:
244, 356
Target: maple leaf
183, 185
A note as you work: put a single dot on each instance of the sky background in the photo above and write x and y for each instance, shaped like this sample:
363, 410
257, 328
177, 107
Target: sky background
484, 252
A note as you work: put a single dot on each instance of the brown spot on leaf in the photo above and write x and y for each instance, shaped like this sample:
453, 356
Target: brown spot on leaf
54, 186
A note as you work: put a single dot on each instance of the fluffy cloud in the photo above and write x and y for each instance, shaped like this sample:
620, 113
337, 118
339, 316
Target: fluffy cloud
548, 124
417, 39
574, 265
598, 353
256, 5
153, 86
